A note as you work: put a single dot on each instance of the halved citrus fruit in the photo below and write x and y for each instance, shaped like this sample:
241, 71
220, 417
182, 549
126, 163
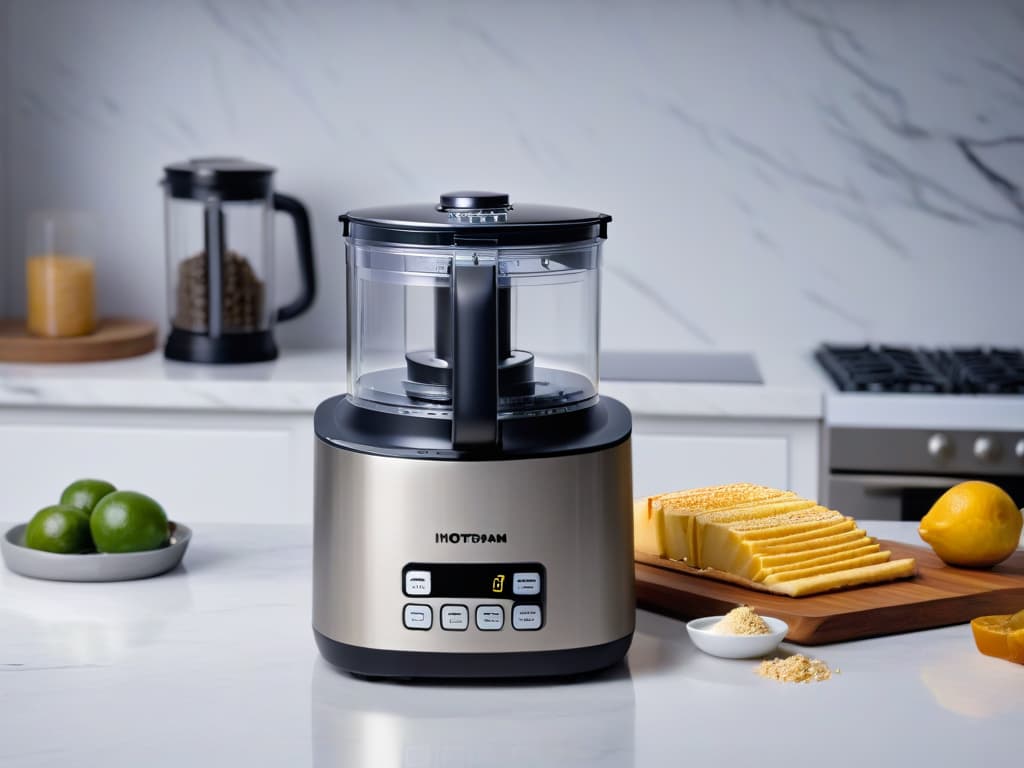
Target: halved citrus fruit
998, 636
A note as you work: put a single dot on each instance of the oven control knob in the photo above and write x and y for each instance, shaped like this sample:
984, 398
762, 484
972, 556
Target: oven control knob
986, 449
939, 446
1019, 449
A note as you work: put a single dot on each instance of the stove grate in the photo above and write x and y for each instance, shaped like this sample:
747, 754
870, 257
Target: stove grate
975, 370
982, 371
865, 368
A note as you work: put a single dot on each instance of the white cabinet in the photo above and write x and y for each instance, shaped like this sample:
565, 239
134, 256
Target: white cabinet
201, 466
676, 453
256, 466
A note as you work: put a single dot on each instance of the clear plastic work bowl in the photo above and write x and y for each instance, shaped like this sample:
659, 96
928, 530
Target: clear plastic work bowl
401, 330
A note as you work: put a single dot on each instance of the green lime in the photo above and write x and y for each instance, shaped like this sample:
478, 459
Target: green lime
60, 529
126, 521
85, 494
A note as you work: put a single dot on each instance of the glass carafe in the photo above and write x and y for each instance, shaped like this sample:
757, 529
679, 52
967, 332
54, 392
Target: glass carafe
219, 215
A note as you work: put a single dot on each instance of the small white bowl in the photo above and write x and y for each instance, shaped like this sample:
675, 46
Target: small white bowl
735, 646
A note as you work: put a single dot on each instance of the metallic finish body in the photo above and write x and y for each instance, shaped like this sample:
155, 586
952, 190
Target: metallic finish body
374, 514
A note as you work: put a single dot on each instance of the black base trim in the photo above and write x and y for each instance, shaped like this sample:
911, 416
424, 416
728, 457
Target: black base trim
192, 347
370, 662
341, 423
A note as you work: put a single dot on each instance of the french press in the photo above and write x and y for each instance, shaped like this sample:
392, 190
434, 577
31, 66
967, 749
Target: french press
219, 217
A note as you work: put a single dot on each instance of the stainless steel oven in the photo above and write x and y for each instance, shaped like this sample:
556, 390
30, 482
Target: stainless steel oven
877, 473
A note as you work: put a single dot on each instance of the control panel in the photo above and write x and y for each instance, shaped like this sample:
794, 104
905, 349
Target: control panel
481, 597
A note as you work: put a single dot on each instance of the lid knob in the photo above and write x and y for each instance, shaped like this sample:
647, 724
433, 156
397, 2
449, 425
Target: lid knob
473, 200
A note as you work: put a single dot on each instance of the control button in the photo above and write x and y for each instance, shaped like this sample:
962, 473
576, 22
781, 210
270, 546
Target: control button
490, 617
939, 446
418, 616
1019, 449
417, 582
454, 617
526, 617
525, 583
986, 449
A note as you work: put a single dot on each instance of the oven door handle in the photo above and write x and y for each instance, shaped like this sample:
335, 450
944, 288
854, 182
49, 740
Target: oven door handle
890, 485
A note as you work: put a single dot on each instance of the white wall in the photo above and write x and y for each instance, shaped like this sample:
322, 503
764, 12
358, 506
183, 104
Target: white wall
777, 172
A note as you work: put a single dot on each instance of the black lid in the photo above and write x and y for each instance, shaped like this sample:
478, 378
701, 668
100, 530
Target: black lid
475, 218
229, 178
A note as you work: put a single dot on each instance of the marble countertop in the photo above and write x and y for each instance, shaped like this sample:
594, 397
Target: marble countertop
300, 379
214, 664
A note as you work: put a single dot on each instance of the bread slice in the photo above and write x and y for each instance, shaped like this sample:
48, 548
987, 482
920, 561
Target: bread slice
772, 512
840, 565
720, 496
812, 544
867, 549
758, 562
684, 512
827, 527
807, 523
867, 574
648, 528
728, 549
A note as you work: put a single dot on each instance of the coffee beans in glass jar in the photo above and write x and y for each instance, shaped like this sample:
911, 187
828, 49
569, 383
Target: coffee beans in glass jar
241, 301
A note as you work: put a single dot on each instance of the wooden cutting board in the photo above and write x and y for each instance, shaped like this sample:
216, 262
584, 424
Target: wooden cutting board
113, 338
939, 595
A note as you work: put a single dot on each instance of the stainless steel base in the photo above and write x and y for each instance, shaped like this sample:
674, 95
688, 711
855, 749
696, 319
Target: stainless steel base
376, 514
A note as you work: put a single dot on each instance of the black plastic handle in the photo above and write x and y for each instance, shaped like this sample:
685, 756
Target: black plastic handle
475, 356
304, 246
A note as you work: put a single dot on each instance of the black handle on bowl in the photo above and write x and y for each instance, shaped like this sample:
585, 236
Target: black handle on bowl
304, 247
474, 356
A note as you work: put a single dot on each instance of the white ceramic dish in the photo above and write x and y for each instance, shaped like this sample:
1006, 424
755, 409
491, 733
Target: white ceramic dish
735, 646
96, 566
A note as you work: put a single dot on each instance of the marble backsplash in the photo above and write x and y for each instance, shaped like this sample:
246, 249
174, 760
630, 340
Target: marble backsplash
778, 172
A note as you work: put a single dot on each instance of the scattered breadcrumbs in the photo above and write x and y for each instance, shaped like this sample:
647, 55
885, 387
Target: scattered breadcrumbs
741, 621
795, 669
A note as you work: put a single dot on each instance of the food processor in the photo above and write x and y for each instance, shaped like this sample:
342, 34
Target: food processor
219, 217
472, 489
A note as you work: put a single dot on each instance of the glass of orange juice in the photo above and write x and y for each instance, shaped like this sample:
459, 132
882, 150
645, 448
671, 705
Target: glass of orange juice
60, 274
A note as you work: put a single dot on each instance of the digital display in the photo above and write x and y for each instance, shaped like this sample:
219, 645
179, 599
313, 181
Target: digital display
507, 581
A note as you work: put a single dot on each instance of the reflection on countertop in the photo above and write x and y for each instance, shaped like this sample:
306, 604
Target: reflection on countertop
383, 724
214, 663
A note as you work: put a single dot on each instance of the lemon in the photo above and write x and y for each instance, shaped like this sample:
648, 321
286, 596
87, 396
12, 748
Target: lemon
85, 494
973, 524
126, 521
61, 529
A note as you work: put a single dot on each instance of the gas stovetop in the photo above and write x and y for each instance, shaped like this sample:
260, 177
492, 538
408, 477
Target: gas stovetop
955, 371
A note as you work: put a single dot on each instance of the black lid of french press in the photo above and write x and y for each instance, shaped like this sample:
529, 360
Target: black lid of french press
228, 178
